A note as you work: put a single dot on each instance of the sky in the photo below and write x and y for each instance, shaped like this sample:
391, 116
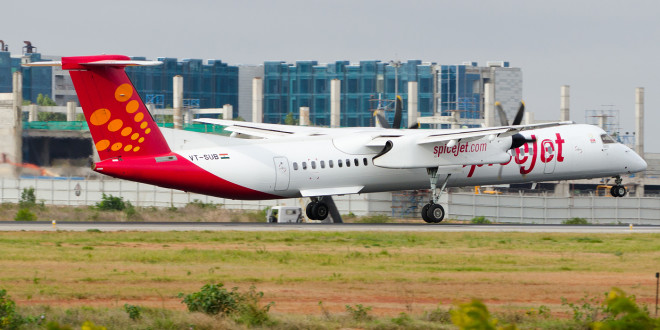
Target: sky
603, 49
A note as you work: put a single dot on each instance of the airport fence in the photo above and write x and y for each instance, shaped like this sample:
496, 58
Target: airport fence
514, 208
79, 191
548, 209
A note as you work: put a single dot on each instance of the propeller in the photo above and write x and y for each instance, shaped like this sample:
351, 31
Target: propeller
516, 121
398, 114
517, 140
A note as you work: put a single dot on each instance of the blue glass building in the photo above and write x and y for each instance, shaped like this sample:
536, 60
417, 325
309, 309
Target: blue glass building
5, 72
36, 80
210, 85
287, 87
460, 89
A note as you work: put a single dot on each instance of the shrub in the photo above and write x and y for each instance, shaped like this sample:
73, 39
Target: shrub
475, 315
89, 325
199, 204
244, 308
402, 320
212, 299
111, 203
359, 312
257, 216
249, 312
480, 220
438, 315
134, 312
28, 198
131, 212
25, 215
9, 318
625, 314
575, 221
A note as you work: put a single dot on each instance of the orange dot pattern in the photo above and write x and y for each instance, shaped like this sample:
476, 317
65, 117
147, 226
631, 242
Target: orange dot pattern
101, 117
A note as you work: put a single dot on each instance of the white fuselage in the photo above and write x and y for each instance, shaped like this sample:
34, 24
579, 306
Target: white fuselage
310, 166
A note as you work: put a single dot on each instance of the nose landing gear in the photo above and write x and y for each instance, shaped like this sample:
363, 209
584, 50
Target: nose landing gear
434, 212
618, 190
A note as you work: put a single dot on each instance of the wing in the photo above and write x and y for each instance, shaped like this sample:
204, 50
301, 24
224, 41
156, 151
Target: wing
403, 148
274, 131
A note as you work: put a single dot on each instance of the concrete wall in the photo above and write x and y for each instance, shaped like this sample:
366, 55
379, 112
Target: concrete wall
245, 75
547, 209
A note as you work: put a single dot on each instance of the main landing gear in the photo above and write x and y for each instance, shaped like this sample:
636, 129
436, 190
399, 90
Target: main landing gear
316, 209
434, 212
618, 190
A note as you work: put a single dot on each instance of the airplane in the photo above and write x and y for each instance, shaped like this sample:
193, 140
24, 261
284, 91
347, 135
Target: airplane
282, 161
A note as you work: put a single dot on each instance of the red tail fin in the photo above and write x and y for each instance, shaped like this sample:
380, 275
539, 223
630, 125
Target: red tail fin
119, 122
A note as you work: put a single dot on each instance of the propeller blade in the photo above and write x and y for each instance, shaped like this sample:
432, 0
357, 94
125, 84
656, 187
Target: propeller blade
500, 112
519, 115
382, 121
398, 109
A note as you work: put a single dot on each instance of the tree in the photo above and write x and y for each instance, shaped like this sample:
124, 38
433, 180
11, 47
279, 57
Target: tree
45, 100
290, 120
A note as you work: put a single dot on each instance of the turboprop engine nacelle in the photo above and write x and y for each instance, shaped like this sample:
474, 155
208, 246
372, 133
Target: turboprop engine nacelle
407, 152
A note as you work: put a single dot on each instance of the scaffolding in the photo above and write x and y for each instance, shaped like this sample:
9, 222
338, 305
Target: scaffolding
408, 203
608, 120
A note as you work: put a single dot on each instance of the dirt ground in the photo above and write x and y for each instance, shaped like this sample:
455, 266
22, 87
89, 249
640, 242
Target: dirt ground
501, 292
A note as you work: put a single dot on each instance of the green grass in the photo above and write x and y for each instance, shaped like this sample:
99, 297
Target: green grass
116, 267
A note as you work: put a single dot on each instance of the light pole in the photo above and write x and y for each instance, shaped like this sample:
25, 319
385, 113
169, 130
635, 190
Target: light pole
396, 65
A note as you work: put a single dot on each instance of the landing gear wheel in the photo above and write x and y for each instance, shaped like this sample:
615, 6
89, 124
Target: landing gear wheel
435, 213
309, 210
425, 209
614, 191
320, 211
618, 191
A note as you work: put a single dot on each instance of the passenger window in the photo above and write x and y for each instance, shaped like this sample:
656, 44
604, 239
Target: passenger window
330, 163
313, 165
607, 139
295, 166
323, 164
304, 165
364, 160
348, 163
356, 162
339, 163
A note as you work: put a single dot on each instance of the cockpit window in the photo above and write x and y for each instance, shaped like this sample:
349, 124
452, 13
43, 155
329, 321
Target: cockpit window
607, 139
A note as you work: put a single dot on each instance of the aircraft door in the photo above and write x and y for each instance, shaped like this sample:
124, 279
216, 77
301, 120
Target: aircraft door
281, 173
548, 156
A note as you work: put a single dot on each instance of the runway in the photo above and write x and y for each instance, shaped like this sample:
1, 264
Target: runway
264, 227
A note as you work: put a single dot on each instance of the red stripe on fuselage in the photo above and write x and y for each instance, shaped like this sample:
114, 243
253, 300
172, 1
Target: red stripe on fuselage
178, 174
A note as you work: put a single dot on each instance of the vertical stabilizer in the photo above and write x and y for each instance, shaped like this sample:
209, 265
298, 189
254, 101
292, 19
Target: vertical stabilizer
120, 124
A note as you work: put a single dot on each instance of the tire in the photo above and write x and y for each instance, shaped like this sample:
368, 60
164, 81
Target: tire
614, 191
309, 210
320, 211
436, 213
425, 209
621, 191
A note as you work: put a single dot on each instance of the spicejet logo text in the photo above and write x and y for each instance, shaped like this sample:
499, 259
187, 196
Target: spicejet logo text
459, 148
546, 150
